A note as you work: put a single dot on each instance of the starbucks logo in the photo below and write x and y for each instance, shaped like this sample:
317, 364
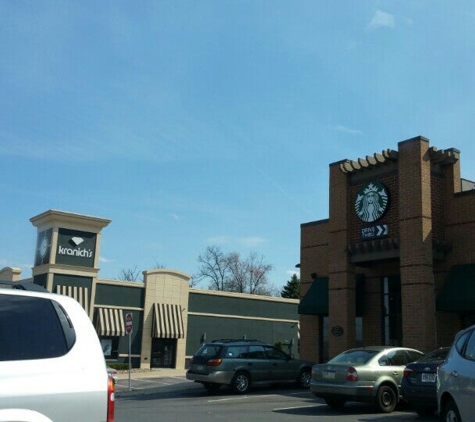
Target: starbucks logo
371, 202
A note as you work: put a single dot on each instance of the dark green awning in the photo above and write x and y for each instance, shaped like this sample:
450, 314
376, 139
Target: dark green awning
315, 302
458, 293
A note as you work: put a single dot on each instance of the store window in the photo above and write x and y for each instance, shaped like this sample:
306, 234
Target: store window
110, 346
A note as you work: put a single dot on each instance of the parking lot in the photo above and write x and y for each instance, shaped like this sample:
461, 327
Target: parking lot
175, 398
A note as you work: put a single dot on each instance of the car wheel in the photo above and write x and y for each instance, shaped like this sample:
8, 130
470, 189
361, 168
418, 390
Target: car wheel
425, 410
211, 386
386, 399
241, 382
304, 378
335, 403
450, 413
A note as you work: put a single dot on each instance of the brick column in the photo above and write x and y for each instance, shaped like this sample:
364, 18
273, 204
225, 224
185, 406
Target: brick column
341, 287
416, 260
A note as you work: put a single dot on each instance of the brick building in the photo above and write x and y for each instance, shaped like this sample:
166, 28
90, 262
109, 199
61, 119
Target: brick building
394, 263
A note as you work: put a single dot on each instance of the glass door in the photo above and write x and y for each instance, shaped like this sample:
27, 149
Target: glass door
163, 353
392, 311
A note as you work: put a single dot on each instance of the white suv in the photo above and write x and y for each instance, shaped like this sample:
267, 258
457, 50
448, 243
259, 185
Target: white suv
51, 363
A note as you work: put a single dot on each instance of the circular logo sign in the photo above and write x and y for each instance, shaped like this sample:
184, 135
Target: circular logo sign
337, 331
371, 201
43, 247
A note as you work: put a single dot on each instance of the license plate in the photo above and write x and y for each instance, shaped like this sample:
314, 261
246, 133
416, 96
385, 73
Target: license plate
428, 377
329, 375
199, 367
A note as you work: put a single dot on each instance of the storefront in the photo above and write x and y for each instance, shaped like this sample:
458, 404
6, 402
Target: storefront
169, 320
394, 263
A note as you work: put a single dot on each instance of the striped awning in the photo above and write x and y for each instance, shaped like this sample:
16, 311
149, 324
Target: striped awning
167, 321
110, 322
81, 294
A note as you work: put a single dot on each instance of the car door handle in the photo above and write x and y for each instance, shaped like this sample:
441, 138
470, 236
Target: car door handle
455, 374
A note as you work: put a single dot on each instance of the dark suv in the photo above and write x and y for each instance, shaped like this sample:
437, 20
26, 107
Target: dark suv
240, 363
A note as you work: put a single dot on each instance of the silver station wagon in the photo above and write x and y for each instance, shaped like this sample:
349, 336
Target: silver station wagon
367, 374
242, 363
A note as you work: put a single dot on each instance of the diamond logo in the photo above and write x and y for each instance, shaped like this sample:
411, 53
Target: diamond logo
77, 240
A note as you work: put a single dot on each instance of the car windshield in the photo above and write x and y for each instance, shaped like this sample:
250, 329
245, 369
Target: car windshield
436, 356
354, 357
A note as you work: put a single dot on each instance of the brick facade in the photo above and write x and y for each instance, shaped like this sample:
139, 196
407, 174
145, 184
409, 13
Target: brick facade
430, 226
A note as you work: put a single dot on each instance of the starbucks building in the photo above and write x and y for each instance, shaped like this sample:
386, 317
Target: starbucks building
394, 264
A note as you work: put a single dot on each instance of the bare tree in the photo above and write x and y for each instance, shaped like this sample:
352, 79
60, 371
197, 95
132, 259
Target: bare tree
258, 282
159, 265
214, 267
228, 272
129, 274
237, 273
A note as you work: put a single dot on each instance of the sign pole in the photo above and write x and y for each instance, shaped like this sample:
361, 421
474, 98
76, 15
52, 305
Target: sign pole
130, 359
129, 327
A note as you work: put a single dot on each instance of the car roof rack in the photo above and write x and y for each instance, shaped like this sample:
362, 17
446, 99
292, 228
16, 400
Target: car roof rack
23, 285
235, 340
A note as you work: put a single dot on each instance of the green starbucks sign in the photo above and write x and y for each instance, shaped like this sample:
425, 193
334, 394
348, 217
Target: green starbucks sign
371, 202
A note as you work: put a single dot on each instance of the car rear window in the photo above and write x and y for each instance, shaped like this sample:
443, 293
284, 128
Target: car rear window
436, 356
354, 357
30, 328
209, 351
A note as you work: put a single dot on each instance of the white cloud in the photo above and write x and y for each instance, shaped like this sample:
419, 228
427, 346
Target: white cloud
218, 240
341, 128
382, 20
105, 260
248, 242
252, 241
175, 217
292, 272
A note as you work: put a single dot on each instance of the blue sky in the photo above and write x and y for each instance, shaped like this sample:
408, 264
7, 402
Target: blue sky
198, 123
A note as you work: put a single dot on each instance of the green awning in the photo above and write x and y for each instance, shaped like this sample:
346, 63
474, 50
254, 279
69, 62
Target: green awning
458, 293
315, 302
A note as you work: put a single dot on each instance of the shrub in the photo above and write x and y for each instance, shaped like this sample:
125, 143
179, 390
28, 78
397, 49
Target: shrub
119, 366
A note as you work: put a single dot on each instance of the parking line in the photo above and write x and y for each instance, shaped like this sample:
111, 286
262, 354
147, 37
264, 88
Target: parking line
291, 408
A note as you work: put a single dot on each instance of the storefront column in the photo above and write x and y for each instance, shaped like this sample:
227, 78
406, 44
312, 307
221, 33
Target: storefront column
415, 229
341, 287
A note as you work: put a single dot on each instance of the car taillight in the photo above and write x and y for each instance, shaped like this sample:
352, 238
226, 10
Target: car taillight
351, 374
407, 372
214, 362
110, 399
